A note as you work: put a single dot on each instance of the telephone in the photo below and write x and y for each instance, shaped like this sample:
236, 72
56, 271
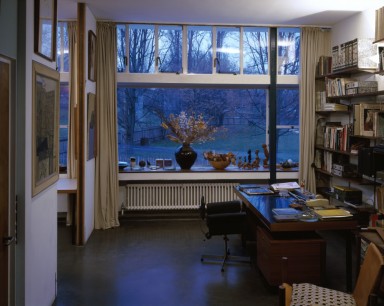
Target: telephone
318, 203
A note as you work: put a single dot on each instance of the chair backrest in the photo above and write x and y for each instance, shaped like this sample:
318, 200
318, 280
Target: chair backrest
369, 275
225, 207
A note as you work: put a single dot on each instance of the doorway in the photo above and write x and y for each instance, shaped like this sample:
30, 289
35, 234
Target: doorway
7, 187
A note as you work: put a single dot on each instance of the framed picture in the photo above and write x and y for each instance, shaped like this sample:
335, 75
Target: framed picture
45, 127
45, 24
367, 115
91, 56
91, 125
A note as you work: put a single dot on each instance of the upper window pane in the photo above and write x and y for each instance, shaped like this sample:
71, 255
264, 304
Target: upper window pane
121, 31
255, 50
62, 45
199, 49
170, 48
141, 48
288, 48
228, 50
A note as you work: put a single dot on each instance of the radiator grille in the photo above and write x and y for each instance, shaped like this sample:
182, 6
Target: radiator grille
176, 196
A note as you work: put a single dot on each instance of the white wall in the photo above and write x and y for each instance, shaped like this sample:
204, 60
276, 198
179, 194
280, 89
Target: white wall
40, 230
90, 87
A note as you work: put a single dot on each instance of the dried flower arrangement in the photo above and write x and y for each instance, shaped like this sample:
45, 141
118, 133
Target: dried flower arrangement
184, 128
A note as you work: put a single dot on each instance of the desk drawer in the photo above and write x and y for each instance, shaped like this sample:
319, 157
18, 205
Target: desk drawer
306, 257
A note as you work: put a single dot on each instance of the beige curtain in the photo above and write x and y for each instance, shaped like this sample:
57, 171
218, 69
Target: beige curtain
106, 180
314, 43
71, 155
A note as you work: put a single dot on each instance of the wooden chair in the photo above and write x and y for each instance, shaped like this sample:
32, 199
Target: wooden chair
364, 293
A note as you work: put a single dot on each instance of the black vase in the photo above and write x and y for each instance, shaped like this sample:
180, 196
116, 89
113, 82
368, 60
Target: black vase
185, 156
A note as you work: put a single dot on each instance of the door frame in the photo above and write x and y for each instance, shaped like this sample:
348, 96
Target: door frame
8, 224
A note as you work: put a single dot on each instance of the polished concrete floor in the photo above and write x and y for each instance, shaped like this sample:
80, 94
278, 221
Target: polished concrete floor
156, 261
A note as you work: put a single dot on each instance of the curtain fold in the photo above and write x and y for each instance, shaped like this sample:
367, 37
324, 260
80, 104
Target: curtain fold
314, 43
71, 155
106, 178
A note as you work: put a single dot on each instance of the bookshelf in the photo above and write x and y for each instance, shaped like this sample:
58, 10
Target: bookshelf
341, 130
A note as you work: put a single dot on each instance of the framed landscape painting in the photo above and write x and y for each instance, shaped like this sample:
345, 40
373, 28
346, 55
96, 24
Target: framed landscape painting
45, 127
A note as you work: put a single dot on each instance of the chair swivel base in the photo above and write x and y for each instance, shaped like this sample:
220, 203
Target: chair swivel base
226, 257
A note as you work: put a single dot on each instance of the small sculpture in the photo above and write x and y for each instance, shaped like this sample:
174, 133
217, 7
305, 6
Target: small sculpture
256, 162
266, 153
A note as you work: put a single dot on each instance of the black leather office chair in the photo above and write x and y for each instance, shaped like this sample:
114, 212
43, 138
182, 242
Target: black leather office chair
223, 218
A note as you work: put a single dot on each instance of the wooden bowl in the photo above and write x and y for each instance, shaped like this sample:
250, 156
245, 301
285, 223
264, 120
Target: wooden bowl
220, 165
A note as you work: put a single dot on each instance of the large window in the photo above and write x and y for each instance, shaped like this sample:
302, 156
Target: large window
219, 72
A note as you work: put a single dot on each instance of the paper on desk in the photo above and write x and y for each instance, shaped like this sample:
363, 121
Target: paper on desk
333, 213
285, 186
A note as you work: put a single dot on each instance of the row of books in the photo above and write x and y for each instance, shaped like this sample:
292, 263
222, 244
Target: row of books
326, 160
359, 52
324, 65
337, 137
348, 86
323, 105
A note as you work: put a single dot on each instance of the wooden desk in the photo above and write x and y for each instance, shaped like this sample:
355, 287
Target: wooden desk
69, 186
260, 206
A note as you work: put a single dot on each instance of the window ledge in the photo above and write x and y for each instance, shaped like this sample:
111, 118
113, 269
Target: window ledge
205, 173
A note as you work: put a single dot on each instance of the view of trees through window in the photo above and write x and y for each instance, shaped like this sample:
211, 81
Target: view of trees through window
240, 113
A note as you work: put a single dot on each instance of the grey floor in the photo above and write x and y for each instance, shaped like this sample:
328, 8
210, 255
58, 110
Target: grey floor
156, 261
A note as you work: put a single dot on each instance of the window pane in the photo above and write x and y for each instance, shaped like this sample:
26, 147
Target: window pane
141, 48
121, 47
63, 132
170, 48
255, 50
62, 43
288, 141
288, 48
228, 50
288, 106
242, 112
199, 49
288, 116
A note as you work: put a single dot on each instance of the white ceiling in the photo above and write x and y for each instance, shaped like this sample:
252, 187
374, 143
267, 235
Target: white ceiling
229, 12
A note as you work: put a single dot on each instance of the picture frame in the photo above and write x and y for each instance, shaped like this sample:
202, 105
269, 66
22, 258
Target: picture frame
366, 117
45, 24
91, 56
91, 125
45, 126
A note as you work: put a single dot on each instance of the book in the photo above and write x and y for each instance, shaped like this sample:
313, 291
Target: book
285, 186
256, 190
285, 211
333, 213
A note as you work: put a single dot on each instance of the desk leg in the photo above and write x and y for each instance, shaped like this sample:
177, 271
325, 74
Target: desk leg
348, 259
72, 203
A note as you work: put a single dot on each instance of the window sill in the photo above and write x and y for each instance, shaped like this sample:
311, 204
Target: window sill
205, 173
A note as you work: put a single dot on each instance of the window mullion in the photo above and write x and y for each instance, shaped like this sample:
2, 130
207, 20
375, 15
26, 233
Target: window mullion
241, 50
184, 58
214, 44
127, 47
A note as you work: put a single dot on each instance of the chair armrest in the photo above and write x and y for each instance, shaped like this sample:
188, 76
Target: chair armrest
285, 294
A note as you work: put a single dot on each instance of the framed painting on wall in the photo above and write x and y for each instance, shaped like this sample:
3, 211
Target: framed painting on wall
91, 126
91, 56
367, 115
45, 127
45, 24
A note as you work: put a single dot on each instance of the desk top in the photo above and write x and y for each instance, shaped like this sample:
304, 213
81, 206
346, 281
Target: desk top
262, 205
65, 185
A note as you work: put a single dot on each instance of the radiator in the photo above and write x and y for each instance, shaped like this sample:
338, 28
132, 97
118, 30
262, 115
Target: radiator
176, 196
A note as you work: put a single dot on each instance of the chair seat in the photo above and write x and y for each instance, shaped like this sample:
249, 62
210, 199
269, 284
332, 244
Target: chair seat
305, 294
